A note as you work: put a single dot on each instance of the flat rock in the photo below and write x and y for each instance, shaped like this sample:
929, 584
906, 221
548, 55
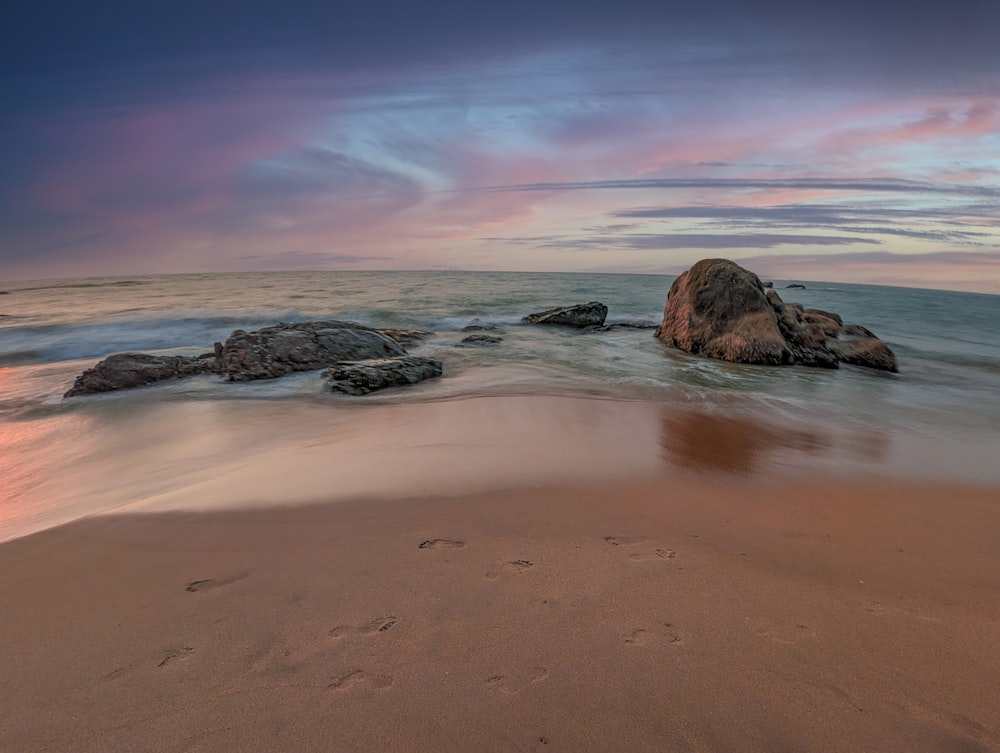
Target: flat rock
866, 351
285, 348
125, 370
362, 377
590, 314
406, 337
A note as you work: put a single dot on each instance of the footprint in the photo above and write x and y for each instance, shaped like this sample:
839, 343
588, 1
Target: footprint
660, 553
648, 553
516, 566
358, 676
664, 632
441, 544
379, 625
209, 583
514, 684
174, 653
345, 681
636, 637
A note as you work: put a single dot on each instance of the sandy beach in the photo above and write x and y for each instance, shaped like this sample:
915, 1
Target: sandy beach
707, 611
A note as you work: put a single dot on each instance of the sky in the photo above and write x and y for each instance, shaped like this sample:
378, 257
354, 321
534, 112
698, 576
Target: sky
855, 141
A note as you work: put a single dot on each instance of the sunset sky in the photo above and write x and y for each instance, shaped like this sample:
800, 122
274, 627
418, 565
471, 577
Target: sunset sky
852, 141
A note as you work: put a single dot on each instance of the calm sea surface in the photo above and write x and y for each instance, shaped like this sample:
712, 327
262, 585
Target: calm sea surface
939, 418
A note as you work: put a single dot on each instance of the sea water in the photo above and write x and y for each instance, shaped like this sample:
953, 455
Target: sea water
938, 418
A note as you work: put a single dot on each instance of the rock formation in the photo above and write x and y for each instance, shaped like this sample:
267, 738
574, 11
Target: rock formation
285, 348
125, 370
720, 310
362, 377
582, 315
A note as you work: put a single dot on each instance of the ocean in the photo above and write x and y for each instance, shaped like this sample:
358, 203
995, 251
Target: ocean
629, 404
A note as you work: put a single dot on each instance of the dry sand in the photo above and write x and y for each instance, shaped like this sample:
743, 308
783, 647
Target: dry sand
711, 614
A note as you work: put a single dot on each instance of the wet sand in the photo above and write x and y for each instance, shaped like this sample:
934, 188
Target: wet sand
709, 612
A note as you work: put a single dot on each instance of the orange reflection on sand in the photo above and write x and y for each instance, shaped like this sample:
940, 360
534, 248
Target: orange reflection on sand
707, 442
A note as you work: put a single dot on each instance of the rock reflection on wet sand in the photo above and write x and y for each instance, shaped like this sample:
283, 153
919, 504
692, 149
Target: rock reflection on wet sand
732, 444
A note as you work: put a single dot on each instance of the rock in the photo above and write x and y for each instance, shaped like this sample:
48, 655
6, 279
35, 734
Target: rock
768, 284
125, 370
362, 377
406, 337
582, 315
478, 327
866, 351
478, 341
795, 286
630, 324
285, 348
718, 309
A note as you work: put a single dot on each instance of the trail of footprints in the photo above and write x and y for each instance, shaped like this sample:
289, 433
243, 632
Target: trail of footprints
641, 550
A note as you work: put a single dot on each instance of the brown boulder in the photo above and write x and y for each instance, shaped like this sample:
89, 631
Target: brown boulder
720, 310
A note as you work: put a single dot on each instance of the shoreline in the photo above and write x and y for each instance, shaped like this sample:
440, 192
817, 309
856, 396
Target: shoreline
701, 614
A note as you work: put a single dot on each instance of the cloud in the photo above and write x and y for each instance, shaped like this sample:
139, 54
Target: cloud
672, 241
873, 185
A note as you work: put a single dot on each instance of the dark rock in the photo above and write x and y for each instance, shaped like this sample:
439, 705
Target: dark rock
631, 324
362, 377
285, 348
866, 351
582, 315
718, 309
478, 341
125, 370
478, 327
406, 337
795, 286
768, 284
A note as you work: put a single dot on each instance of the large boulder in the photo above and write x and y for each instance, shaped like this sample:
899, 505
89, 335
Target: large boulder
590, 314
362, 377
124, 370
285, 348
721, 310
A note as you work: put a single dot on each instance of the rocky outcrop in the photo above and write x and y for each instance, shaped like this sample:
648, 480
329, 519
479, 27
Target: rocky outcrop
124, 370
590, 314
720, 310
362, 377
285, 348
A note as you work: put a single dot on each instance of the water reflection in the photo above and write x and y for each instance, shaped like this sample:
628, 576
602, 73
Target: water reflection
709, 442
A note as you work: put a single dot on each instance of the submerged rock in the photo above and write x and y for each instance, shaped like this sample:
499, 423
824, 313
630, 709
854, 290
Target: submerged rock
478, 341
124, 370
581, 315
285, 348
406, 337
362, 377
721, 310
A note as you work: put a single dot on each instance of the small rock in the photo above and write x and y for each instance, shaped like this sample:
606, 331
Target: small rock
478, 341
406, 337
362, 377
590, 314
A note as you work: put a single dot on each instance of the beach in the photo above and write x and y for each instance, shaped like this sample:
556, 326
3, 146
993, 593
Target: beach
712, 604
